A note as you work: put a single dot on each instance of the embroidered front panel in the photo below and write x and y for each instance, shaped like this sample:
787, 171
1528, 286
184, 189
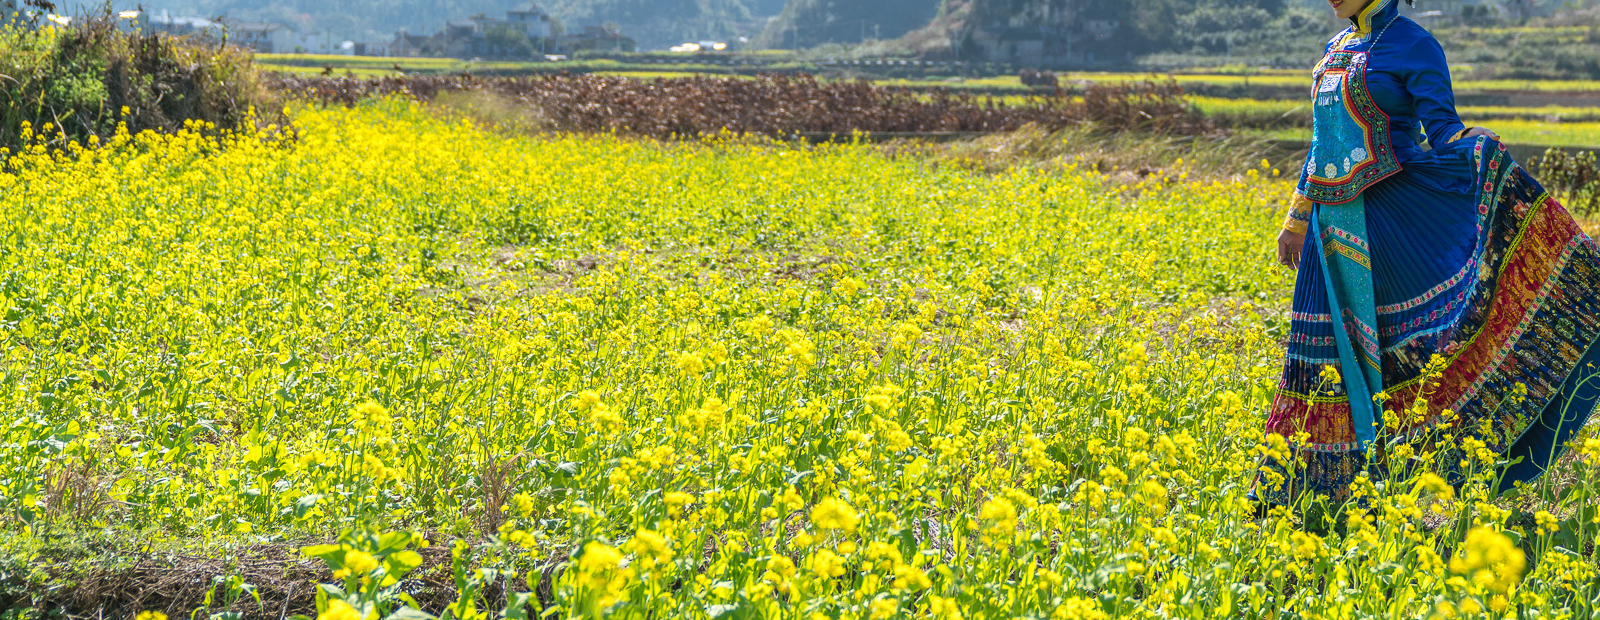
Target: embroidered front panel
1350, 147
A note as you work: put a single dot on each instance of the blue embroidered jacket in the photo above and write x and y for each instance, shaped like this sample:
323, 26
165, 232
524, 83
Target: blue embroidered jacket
1408, 79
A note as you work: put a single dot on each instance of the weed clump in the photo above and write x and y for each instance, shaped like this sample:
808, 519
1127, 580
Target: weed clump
78, 83
1574, 177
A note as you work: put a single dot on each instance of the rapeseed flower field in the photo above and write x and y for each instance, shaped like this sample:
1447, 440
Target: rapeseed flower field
723, 378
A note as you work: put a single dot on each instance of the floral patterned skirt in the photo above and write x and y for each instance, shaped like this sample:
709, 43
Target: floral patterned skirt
1487, 300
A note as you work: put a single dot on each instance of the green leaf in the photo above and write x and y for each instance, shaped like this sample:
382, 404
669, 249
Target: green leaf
1515, 536
410, 613
1567, 537
908, 541
304, 505
402, 562
392, 542
328, 553
517, 606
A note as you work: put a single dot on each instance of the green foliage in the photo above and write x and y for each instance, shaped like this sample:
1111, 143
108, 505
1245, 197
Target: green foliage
816, 22
509, 41
78, 84
369, 566
1572, 177
1219, 26
1525, 52
1180, 27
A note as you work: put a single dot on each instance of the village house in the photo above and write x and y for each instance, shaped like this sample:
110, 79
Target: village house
177, 26
371, 49
265, 38
530, 20
472, 37
407, 45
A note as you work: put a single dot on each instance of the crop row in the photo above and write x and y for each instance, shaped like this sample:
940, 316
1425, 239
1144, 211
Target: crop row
774, 105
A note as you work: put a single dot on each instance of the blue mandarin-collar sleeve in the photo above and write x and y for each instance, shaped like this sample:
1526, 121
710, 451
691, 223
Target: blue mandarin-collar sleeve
1428, 81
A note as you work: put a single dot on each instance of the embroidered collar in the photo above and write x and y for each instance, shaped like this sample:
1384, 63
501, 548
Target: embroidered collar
1376, 15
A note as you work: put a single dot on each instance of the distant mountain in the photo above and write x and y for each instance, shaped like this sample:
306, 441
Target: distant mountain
816, 22
658, 24
655, 24
359, 20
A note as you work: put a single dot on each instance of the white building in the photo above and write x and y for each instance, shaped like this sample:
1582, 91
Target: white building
372, 49
468, 38
530, 19
267, 38
263, 38
178, 26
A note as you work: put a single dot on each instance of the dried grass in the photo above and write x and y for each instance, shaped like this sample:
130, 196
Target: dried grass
120, 583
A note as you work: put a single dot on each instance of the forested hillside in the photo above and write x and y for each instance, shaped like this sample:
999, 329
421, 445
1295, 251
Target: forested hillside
815, 22
1142, 26
653, 23
1160, 34
662, 23
1130, 28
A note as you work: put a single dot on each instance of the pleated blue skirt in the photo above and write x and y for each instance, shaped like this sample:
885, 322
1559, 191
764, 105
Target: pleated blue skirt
1487, 298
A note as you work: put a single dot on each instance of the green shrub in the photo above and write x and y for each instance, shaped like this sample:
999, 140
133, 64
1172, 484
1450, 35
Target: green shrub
1572, 177
77, 83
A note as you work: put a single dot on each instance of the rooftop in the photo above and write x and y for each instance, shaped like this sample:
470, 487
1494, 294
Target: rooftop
193, 22
264, 26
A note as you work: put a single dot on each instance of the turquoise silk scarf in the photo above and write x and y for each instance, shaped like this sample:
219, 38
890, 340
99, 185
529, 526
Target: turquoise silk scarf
1350, 151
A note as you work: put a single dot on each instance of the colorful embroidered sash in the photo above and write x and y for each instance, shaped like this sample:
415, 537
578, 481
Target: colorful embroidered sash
1350, 151
1350, 147
1347, 270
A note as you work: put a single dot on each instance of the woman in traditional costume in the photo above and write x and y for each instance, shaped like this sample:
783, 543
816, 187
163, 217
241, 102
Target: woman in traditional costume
1453, 275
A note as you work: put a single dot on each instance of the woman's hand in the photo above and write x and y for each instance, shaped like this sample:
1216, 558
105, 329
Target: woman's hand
1479, 131
1289, 245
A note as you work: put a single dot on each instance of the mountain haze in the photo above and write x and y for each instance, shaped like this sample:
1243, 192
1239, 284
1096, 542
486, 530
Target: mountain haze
816, 22
657, 24
654, 24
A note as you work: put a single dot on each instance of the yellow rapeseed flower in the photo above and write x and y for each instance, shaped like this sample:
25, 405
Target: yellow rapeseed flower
834, 514
360, 562
339, 610
1489, 559
1546, 522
